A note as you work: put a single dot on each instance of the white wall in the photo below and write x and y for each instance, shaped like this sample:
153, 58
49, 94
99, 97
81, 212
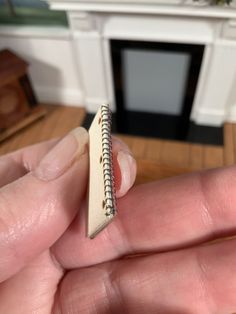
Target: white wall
53, 69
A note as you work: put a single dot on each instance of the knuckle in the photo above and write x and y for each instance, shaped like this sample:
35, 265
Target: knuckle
205, 293
6, 215
207, 216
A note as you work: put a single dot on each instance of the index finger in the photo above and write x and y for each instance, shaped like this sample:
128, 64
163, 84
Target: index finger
165, 215
16, 164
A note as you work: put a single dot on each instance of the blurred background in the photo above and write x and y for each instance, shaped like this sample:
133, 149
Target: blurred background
167, 69
29, 12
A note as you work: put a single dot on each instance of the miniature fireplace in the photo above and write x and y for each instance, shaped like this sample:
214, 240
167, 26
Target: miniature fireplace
155, 84
97, 24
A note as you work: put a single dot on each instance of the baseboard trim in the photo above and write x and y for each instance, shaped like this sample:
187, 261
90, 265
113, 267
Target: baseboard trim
92, 104
71, 97
208, 117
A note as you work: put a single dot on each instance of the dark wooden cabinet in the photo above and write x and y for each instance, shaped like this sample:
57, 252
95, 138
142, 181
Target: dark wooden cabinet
18, 104
16, 93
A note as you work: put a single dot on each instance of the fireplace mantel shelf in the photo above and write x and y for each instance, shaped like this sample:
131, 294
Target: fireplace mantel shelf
171, 7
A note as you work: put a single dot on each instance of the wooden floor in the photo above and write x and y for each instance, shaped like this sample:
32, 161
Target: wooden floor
156, 158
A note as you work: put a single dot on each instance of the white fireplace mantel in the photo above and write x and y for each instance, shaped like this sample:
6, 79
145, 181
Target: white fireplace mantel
94, 23
168, 7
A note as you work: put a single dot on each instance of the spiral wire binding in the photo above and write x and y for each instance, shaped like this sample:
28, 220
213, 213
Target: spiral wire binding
108, 176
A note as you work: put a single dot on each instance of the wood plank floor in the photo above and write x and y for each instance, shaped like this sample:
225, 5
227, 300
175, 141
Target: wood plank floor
156, 158
58, 121
159, 159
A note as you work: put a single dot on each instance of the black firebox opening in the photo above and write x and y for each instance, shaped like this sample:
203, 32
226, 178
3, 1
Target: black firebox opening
155, 124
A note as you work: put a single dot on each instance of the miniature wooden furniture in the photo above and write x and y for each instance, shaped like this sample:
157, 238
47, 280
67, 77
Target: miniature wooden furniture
18, 104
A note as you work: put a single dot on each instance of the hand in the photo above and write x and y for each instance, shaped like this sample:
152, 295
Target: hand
42, 190
154, 257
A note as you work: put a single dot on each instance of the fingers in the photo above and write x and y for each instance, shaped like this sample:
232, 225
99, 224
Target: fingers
169, 214
199, 280
32, 289
17, 164
37, 208
125, 167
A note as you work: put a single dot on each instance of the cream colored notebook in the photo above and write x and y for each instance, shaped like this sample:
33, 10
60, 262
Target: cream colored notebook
102, 204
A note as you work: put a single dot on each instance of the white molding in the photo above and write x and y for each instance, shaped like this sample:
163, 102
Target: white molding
202, 80
209, 116
36, 32
109, 74
165, 2
63, 96
164, 29
92, 104
181, 39
144, 8
231, 112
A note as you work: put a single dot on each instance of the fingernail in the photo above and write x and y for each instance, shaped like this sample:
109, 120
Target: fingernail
127, 166
62, 156
120, 145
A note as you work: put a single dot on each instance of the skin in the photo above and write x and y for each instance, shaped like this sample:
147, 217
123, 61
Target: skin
156, 257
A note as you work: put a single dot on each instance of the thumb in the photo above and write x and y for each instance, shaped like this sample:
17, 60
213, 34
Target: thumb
37, 208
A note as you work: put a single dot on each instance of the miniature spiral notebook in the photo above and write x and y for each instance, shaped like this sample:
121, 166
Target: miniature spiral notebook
102, 203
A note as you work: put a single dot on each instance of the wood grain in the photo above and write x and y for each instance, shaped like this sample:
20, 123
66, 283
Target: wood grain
156, 158
149, 170
196, 156
175, 153
34, 114
153, 149
212, 157
58, 121
229, 153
